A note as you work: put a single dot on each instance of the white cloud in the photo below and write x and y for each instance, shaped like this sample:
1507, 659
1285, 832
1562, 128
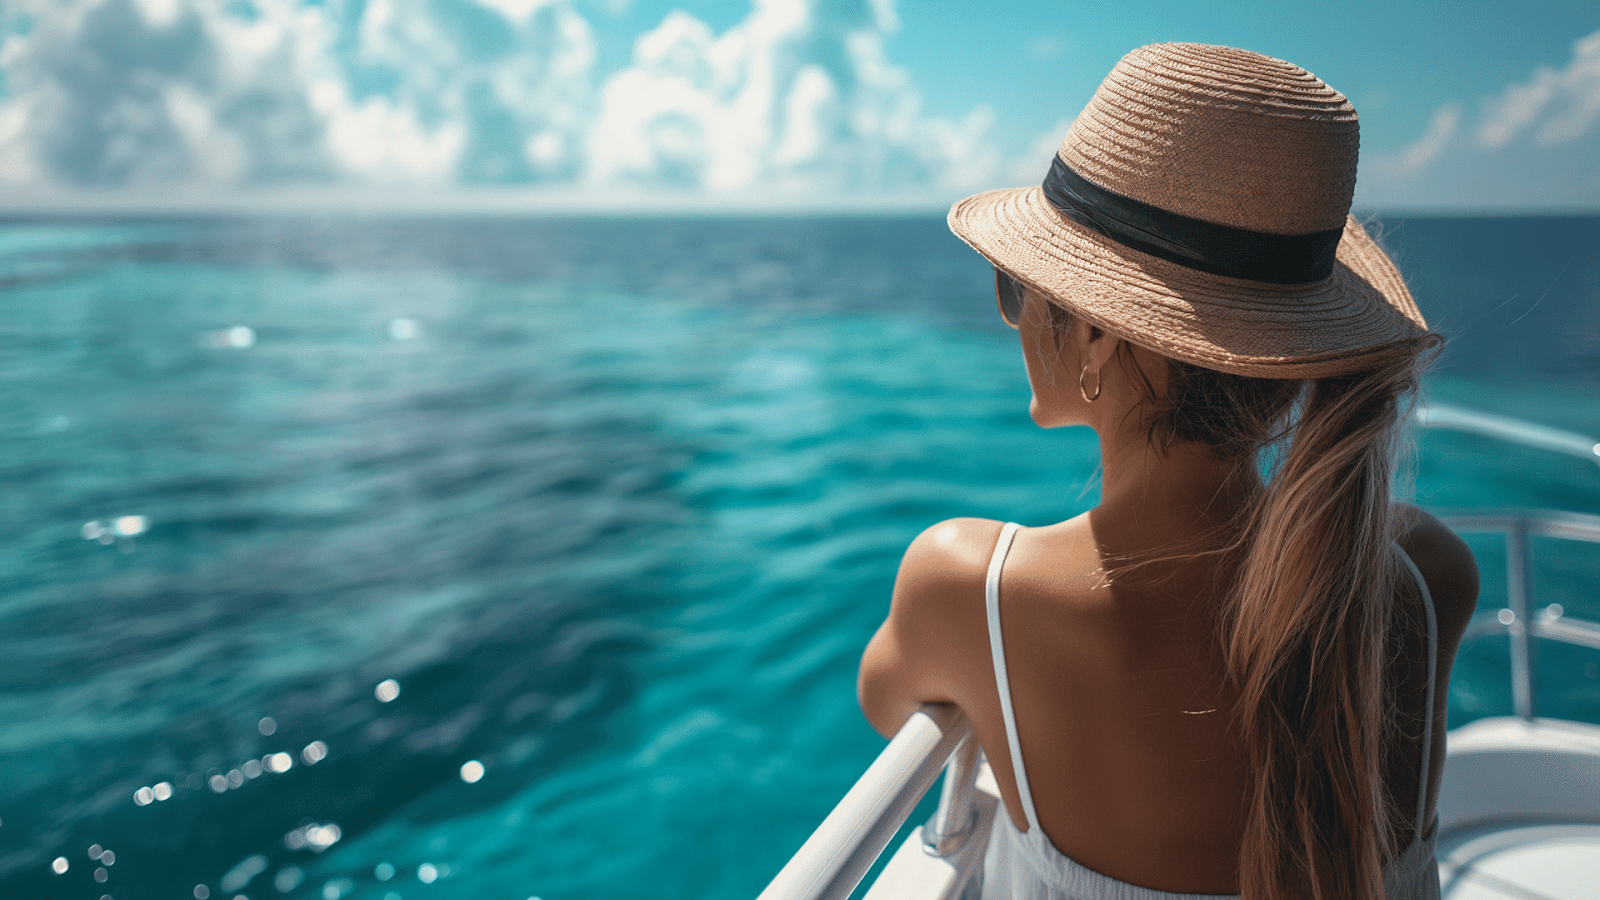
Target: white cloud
800, 96
963, 157
160, 13
220, 155
811, 103
1558, 106
120, 93
884, 15
18, 164
117, 93
1441, 129
383, 141
468, 102
515, 11
1534, 147
1031, 166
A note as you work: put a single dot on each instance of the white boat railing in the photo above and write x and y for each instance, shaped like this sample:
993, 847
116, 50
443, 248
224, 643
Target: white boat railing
1518, 618
1505, 428
832, 862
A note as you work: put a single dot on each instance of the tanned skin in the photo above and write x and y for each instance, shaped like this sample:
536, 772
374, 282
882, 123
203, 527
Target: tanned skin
1119, 691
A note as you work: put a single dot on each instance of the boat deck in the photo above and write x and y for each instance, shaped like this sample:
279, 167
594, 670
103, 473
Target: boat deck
1519, 811
1511, 861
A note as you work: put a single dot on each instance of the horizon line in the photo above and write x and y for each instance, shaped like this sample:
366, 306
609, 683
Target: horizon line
383, 201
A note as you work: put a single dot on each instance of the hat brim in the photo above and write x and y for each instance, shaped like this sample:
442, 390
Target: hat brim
1355, 319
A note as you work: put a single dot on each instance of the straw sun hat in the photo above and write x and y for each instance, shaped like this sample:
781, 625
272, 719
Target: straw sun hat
1199, 207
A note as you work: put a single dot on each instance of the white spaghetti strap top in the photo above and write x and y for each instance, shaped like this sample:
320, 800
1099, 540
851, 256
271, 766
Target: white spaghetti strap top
1028, 866
997, 652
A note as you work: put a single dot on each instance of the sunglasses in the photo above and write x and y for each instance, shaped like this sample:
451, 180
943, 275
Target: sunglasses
1008, 293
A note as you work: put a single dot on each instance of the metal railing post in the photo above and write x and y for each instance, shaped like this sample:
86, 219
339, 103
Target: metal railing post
951, 825
1519, 599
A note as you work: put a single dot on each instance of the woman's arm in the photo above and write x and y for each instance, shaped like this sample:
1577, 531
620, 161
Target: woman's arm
933, 645
1446, 562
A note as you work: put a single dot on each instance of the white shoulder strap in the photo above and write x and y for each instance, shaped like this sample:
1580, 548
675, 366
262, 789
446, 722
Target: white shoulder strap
997, 652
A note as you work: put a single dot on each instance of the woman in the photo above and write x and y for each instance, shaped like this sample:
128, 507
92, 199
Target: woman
1212, 682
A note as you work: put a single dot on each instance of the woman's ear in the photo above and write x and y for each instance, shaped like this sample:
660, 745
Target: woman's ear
1097, 348
1092, 347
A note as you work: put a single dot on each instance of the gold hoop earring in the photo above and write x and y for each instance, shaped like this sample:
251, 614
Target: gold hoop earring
1082, 390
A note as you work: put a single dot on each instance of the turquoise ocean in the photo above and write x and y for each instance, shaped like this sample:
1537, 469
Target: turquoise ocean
615, 504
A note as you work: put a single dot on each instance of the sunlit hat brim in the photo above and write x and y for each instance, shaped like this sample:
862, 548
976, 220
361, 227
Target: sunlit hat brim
1355, 319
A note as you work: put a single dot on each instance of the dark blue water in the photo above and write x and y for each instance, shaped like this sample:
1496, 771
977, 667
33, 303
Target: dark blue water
615, 503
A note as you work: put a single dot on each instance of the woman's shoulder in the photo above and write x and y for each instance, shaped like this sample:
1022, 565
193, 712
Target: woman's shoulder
941, 575
1446, 564
952, 552
941, 583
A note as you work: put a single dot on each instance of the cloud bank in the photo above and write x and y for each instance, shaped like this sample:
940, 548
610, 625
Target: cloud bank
141, 93
1504, 159
798, 98
798, 103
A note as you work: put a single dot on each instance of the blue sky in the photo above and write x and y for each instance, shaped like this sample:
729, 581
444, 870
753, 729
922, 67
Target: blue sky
1466, 106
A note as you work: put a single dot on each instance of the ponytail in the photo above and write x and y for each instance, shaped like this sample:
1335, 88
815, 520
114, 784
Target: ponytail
1306, 627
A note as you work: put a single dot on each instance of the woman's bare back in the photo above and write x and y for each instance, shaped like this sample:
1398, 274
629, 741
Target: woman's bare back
1119, 692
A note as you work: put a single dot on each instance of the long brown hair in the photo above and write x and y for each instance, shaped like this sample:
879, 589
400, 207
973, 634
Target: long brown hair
1310, 614
1307, 626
